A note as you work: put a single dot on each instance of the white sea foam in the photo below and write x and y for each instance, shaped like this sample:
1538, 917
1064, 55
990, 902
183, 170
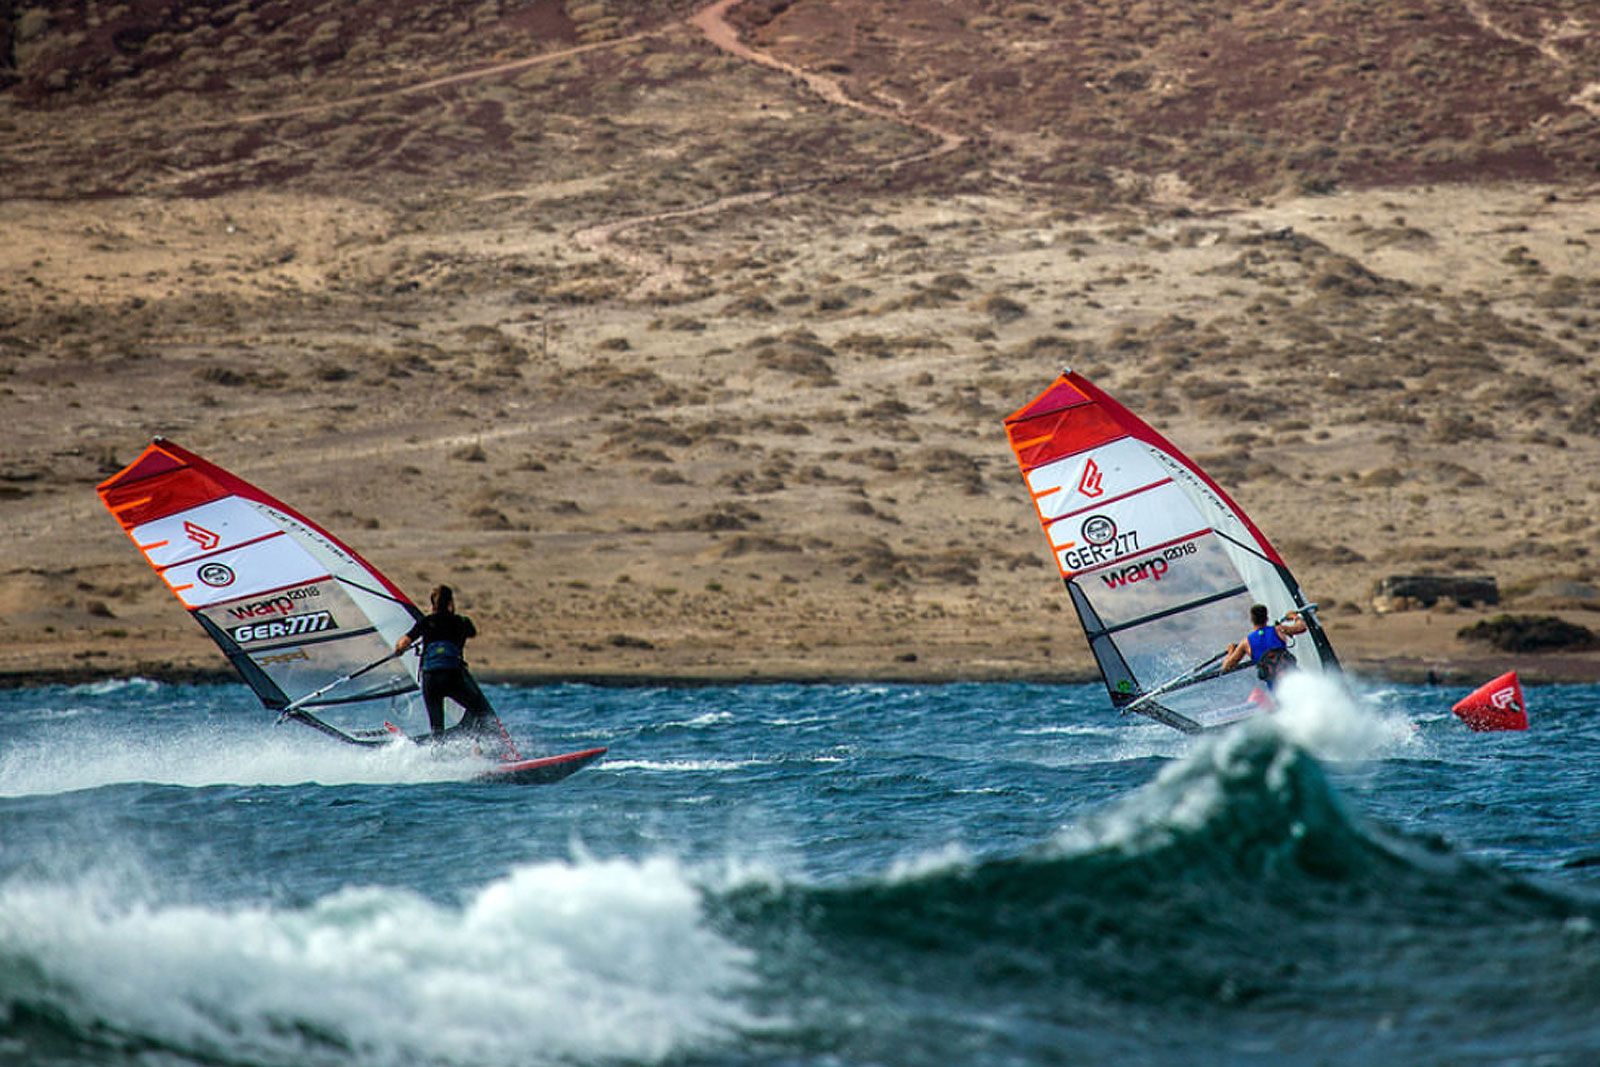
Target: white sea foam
681, 765
952, 857
1108, 729
197, 757
1119, 742
1331, 721
109, 686
556, 962
710, 718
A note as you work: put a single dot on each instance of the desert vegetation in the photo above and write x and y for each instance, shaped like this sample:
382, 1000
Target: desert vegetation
678, 365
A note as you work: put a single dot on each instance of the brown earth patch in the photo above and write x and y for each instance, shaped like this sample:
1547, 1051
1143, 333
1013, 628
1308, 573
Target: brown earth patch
626, 335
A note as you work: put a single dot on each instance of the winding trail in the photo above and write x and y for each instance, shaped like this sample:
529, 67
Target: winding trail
712, 21
1587, 98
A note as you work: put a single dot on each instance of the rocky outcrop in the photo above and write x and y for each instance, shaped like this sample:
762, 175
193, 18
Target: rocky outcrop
1408, 592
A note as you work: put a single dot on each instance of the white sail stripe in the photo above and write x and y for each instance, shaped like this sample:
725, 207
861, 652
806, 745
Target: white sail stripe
1206, 501
367, 588
184, 535
1079, 481
1124, 528
1107, 502
247, 571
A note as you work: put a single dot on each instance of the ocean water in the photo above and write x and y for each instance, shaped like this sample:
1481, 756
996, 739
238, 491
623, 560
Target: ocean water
802, 875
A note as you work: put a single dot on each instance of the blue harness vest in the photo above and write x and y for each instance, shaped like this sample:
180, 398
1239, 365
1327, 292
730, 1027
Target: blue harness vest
439, 654
1269, 653
1264, 640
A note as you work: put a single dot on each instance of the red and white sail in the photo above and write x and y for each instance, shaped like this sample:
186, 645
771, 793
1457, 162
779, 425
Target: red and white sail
1161, 565
291, 606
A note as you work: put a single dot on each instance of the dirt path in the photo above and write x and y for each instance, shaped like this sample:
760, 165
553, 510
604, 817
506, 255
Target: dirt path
659, 272
1587, 98
713, 23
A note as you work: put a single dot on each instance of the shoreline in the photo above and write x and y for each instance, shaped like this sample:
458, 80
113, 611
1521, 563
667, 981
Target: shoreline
1533, 670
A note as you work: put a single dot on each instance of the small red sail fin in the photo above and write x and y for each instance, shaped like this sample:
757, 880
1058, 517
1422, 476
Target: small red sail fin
1496, 705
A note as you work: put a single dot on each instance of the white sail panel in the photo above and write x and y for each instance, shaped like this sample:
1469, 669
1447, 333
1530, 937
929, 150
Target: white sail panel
1124, 528
198, 531
1075, 482
249, 570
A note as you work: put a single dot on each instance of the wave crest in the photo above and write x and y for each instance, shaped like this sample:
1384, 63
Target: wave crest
1237, 874
596, 960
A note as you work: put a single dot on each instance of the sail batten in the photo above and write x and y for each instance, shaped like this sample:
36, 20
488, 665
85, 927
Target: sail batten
1160, 563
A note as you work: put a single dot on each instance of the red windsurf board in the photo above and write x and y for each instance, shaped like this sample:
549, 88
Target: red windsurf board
540, 771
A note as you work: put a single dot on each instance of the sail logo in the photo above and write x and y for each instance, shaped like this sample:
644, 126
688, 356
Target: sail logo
281, 604
216, 575
1152, 570
1099, 530
1090, 484
206, 539
294, 626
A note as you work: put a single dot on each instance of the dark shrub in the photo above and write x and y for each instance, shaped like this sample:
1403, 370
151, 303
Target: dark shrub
1530, 633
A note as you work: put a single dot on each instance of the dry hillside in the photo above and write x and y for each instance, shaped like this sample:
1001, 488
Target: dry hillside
678, 337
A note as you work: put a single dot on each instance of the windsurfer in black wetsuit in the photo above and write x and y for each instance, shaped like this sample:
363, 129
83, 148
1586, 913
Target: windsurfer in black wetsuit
1267, 646
444, 636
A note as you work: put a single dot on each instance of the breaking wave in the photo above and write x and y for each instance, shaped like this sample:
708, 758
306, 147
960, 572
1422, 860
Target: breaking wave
554, 963
1237, 881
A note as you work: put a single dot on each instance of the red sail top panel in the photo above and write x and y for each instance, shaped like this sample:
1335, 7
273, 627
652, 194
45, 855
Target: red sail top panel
1069, 417
136, 501
1061, 395
154, 460
1044, 438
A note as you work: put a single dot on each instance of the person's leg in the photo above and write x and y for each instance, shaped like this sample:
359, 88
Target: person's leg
478, 711
433, 694
479, 720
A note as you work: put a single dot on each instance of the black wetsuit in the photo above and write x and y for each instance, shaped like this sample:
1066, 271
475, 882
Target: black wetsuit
444, 673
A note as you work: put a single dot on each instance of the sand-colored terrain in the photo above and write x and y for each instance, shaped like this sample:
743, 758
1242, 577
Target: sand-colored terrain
678, 338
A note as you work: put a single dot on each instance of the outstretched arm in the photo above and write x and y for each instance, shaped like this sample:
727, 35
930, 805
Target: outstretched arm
1292, 624
402, 644
1236, 654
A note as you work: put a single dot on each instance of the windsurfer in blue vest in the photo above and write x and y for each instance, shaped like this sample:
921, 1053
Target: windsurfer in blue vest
1267, 646
444, 636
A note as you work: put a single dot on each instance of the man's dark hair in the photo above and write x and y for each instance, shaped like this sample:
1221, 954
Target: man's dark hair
1258, 614
443, 598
